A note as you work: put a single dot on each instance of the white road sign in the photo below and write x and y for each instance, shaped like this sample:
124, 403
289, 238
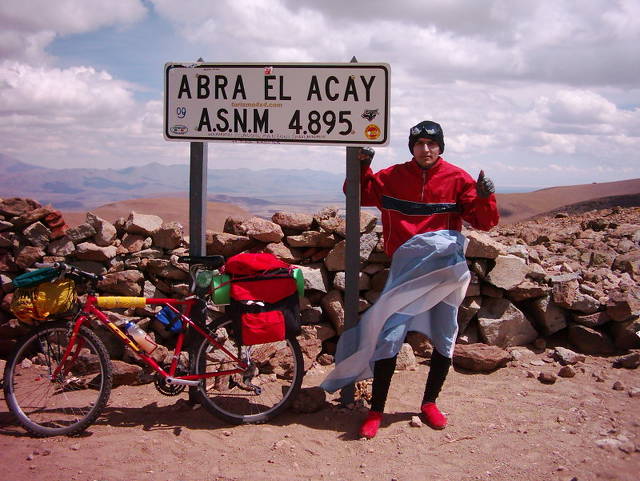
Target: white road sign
336, 104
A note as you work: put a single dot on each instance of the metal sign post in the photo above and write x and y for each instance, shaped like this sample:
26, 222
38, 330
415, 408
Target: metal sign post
198, 167
352, 253
198, 198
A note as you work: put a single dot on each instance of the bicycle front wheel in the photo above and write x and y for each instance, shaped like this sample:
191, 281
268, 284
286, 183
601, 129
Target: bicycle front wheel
47, 403
264, 390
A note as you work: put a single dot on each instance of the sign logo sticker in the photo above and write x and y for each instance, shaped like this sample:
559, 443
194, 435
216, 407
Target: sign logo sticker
372, 132
179, 129
370, 114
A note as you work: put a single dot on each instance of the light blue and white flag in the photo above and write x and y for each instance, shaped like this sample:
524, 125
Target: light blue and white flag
427, 282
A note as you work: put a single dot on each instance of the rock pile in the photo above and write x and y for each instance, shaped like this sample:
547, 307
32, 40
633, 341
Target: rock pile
575, 276
581, 277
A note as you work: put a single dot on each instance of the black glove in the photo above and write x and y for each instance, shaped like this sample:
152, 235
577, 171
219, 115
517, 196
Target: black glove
365, 156
484, 186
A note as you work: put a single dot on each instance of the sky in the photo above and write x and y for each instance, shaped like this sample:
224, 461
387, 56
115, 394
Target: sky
536, 94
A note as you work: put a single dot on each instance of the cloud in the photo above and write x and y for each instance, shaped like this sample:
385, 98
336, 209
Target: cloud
68, 16
77, 91
29, 27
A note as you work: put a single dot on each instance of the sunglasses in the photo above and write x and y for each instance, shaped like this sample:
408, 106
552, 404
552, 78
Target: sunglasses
422, 131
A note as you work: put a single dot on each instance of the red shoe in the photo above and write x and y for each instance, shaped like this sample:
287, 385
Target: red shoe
371, 424
433, 416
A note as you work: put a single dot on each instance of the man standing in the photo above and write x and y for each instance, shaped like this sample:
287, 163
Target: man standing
423, 203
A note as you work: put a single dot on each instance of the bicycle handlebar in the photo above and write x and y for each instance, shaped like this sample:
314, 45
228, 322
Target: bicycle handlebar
65, 268
212, 262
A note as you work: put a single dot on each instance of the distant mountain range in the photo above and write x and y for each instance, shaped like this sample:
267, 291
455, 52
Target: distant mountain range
86, 188
261, 192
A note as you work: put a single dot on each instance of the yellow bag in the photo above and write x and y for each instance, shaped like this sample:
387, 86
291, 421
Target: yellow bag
33, 304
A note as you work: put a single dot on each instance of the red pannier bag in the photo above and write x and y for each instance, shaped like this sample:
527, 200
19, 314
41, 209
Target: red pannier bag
264, 298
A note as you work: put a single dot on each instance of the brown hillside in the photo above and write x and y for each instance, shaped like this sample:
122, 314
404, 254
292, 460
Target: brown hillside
168, 208
513, 207
517, 207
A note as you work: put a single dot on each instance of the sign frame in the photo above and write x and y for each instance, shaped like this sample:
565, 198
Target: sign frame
370, 128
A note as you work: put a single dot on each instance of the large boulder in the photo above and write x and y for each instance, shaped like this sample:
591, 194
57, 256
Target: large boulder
80, 232
502, 324
293, 221
88, 251
169, 236
508, 272
27, 256
37, 234
550, 318
333, 305
16, 206
339, 281
406, 358
629, 262
312, 239
61, 247
626, 334
164, 268
123, 283
335, 260
105, 231
467, 311
527, 290
590, 341
482, 245
32, 216
283, 252
261, 230
309, 400
142, 224
565, 290
135, 242
480, 357
226, 244
624, 305
315, 277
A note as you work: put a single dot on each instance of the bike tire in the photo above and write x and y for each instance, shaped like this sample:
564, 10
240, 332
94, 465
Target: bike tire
68, 404
276, 368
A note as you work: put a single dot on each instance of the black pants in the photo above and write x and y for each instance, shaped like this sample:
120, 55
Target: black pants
383, 372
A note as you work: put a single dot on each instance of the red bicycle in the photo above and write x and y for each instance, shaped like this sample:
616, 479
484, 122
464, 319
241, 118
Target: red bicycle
60, 376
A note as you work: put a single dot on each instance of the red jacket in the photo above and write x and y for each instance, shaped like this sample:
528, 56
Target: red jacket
415, 200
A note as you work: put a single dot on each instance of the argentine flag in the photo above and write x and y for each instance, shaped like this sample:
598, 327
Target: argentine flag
427, 282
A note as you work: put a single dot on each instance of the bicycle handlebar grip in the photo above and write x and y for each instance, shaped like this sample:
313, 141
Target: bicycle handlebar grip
116, 302
92, 277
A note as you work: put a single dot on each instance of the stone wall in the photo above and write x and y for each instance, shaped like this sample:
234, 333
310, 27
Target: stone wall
569, 278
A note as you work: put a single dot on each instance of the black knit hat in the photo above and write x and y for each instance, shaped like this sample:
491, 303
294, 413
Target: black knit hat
426, 130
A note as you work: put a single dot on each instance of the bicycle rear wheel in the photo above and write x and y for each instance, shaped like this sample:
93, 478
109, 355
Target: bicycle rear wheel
69, 402
263, 391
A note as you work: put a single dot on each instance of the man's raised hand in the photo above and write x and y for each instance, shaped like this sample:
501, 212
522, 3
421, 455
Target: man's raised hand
365, 156
484, 185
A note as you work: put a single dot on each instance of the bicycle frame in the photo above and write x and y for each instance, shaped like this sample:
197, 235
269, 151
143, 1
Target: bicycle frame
90, 308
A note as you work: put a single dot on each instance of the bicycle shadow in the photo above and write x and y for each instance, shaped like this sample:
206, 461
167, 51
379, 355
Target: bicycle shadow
152, 417
183, 416
9, 426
